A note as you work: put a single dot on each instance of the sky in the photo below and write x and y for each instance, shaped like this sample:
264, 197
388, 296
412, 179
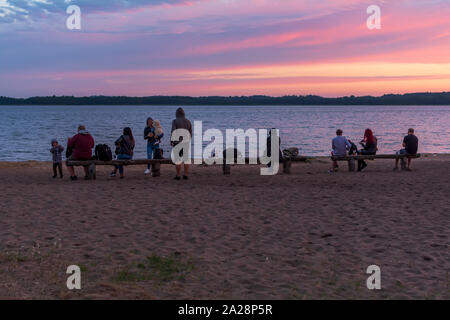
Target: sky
223, 47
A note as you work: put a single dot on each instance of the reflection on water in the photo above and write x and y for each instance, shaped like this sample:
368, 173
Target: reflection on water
26, 131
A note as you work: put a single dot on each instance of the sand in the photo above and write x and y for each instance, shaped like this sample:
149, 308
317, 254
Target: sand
308, 235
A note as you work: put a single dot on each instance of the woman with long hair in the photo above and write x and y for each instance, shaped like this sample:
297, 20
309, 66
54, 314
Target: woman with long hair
124, 149
369, 144
368, 136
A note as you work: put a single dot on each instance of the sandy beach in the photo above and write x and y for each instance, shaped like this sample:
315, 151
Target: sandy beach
307, 235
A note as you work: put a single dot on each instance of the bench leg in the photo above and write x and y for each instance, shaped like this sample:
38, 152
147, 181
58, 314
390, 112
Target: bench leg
156, 169
403, 163
92, 171
287, 166
226, 169
351, 165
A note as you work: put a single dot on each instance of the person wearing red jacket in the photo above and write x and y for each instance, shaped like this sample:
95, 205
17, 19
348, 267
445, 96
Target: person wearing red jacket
80, 146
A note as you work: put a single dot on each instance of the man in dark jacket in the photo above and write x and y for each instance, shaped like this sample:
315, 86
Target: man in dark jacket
81, 145
181, 123
410, 145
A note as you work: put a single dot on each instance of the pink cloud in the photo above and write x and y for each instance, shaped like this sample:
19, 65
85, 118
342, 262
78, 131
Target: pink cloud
234, 47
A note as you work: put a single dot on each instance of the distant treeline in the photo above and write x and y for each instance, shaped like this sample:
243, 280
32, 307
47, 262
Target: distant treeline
388, 99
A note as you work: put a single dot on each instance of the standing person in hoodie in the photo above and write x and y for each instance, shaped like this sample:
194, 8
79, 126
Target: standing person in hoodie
81, 146
56, 152
153, 141
180, 122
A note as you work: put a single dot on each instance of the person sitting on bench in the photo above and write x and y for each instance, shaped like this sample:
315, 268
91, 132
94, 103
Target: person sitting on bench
339, 145
124, 150
80, 146
369, 144
410, 146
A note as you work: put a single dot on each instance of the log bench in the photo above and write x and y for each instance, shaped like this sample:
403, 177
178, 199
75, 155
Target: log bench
287, 162
92, 164
352, 159
156, 163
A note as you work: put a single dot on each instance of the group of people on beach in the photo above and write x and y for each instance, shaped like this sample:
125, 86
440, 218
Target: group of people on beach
341, 147
79, 147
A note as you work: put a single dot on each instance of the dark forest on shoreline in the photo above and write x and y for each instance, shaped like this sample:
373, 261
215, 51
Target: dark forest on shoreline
387, 99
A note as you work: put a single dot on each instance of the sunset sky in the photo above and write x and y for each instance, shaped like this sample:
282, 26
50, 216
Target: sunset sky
223, 47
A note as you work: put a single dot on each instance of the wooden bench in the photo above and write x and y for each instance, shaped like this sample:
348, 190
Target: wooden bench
226, 168
352, 159
287, 162
92, 164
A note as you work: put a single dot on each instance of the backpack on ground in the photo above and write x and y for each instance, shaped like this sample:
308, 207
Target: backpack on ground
103, 152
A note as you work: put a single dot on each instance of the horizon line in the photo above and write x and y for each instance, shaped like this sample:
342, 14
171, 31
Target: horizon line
227, 96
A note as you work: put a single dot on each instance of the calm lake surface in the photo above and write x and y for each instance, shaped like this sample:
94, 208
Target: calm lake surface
26, 131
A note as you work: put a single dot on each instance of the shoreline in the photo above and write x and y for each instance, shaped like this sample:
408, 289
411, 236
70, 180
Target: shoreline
227, 105
310, 158
416, 98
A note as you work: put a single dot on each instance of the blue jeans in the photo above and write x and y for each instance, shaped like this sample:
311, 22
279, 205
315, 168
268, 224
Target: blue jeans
123, 157
151, 151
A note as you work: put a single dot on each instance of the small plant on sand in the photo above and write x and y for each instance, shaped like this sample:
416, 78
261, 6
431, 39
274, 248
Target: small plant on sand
162, 269
128, 275
83, 268
6, 256
448, 286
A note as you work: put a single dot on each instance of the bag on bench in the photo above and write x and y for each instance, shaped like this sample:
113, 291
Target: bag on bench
103, 152
290, 153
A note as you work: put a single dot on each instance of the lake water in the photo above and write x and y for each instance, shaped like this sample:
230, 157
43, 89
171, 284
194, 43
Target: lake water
26, 131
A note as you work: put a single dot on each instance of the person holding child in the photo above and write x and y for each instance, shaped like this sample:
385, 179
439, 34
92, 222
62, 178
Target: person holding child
153, 141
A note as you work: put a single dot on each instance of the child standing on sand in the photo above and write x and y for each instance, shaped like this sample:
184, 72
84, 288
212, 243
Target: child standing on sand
56, 151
